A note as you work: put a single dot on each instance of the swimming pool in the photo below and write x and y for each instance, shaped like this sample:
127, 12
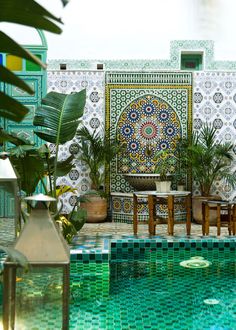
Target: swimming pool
149, 289
139, 284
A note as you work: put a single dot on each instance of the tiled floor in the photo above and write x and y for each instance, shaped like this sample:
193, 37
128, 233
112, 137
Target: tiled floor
120, 229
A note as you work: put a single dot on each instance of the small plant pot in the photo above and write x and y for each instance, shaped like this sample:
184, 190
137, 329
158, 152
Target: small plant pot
163, 186
180, 187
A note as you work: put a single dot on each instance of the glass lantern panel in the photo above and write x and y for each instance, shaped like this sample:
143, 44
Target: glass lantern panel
39, 303
14, 63
8, 207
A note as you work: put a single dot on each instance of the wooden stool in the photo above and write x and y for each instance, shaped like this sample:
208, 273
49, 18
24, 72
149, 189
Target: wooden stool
226, 215
154, 198
168, 200
136, 201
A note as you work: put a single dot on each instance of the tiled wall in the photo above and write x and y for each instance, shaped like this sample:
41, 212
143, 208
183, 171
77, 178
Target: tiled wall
93, 118
214, 100
147, 112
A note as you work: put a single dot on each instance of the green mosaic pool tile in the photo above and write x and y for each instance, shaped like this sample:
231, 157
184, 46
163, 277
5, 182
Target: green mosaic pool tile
89, 284
89, 280
168, 247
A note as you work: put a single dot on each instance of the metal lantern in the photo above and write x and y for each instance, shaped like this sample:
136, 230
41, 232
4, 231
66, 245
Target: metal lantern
38, 298
10, 202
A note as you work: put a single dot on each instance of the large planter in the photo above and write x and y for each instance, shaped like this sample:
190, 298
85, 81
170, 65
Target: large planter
96, 208
197, 209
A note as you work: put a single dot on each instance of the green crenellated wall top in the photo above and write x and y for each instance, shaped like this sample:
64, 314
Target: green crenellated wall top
177, 47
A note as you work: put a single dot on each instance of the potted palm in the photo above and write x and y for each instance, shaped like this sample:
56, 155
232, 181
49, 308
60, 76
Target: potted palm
181, 168
210, 161
96, 152
165, 166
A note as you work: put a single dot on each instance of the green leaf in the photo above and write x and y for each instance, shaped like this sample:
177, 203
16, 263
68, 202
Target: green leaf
78, 218
21, 150
30, 14
15, 256
65, 2
63, 189
59, 116
12, 138
11, 109
8, 77
68, 228
63, 167
30, 168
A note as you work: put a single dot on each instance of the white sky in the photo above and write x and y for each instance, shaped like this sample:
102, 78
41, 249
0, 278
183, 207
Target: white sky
135, 29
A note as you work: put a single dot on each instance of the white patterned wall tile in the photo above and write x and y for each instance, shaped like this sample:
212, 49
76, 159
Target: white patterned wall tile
93, 117
214, 101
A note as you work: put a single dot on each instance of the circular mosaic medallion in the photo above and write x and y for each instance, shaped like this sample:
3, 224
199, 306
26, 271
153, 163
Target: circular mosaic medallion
147, 125
148, 130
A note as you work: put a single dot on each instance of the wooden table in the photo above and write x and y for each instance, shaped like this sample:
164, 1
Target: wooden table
153, 198
219, 205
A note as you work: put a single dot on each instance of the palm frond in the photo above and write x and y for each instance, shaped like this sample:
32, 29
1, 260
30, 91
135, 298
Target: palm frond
31, 14
12, 109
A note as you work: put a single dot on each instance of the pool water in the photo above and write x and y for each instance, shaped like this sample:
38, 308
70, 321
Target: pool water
145, 291
162, 295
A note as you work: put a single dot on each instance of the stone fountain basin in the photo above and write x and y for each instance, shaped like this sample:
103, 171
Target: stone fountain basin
142, 181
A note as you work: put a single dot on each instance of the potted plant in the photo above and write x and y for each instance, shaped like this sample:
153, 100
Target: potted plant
165, 166
210, 160
181, 168
96, 151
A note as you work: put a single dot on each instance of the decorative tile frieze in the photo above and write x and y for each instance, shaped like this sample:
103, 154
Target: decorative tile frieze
205, 47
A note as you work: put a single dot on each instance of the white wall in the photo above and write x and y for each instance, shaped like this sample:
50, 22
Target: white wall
135, 29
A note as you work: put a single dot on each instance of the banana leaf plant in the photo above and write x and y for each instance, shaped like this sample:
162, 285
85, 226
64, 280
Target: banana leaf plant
57, 120
28, 13
34, 165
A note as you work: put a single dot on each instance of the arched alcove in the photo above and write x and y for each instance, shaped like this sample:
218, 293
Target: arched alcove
147, 125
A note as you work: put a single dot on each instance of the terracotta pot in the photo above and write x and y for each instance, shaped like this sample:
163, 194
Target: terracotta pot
96, 208
197, 209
